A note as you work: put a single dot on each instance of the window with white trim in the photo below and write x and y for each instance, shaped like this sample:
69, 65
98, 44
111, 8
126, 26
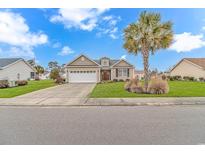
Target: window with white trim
122, 72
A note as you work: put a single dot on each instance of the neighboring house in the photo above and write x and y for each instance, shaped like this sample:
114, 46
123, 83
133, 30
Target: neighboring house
139, 74
62, 75
45, 75
13, 69
83, 69
192, 67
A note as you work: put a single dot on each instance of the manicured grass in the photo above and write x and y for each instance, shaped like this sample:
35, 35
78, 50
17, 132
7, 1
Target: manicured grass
32, 86
177, 89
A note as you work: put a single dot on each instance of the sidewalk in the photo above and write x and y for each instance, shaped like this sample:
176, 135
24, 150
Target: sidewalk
155, 101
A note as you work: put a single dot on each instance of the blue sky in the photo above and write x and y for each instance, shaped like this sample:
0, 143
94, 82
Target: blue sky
63, 34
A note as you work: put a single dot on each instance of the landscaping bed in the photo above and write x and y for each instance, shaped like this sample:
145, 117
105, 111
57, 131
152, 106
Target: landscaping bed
30, 87
177, 89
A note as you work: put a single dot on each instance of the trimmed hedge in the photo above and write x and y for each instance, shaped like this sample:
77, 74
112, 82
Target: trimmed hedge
4, 84
60, 80
21, 82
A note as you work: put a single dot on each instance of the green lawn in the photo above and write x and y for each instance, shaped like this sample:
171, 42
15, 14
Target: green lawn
177, 89
32, 86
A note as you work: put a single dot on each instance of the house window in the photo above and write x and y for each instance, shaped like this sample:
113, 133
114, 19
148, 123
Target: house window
18, 76
32, 75
122, 72
105, 62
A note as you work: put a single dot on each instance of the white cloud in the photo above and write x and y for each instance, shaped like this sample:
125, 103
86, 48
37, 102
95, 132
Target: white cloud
106, 18
123, 57
66, 50
109, 26
203, 28
84, 19
56, 45
88, 20
186, 42
15, 32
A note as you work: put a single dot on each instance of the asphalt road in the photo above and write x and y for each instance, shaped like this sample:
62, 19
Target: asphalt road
103, 125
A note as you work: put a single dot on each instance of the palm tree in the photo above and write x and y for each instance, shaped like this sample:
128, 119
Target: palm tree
39, 69
147, 36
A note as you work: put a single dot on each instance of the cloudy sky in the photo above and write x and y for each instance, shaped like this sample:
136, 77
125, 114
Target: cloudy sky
63, 34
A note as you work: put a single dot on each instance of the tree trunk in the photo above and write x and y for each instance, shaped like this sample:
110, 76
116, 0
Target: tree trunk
146, 69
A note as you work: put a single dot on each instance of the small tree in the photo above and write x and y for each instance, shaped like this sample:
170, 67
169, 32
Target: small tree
54, 74
53, 65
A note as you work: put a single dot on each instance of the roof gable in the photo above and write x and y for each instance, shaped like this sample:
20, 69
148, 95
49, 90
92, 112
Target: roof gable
122, 63
8, 62
82, 61
198, 61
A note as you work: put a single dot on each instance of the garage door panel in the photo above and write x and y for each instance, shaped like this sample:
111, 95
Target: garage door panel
82, 77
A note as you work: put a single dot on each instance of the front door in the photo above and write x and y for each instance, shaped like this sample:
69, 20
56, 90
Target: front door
106, 75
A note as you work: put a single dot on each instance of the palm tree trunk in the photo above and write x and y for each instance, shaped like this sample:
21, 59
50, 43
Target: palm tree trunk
146, 69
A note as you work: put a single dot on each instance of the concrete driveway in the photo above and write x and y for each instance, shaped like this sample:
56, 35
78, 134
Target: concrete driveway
67, 94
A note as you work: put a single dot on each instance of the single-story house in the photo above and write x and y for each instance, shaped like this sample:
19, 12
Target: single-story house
45, 75
139, 74
192, 67
83, 69
14, 69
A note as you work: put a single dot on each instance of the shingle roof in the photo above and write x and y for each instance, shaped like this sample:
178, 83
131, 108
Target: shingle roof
6, 61
197, 61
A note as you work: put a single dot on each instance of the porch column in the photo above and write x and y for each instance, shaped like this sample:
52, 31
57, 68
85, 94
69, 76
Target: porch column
99, 75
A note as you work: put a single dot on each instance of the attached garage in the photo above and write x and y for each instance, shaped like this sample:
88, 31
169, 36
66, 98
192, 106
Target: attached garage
83, 70
83, 76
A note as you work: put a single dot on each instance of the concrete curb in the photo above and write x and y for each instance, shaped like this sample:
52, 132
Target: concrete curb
168, 101
146, 101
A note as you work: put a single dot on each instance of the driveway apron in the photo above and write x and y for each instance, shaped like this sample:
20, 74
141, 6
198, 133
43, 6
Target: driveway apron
67, 94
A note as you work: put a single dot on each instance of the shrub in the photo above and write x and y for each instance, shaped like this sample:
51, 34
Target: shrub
168, 77
171, 78
158, 86
191, 79
4, 84
21, 83
177, 77
121, 80
188, 78
60, 80
127, 80
133, 86
164, 77
201, 79
114, 80
54, 74
108, 81
37, 78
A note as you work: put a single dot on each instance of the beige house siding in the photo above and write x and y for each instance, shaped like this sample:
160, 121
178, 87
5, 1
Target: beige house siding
82, 61
83, 69
122, 64
186, 68
85, 64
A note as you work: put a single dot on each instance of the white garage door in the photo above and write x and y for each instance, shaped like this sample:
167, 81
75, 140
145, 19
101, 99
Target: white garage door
82, 76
